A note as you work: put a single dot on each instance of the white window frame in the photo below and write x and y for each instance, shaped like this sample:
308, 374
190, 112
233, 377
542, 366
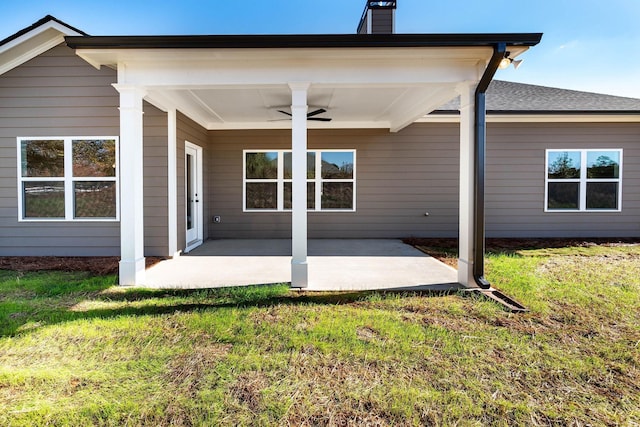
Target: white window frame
583, 180
280, 180
68, 179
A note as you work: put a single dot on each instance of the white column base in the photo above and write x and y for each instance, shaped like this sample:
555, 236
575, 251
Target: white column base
465, 274
132, 272
299, 274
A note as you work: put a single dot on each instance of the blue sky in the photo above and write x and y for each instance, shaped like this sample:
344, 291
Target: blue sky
589, 45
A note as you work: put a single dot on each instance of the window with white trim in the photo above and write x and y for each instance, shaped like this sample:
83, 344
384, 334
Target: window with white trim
331, 180
583, 180
68, 179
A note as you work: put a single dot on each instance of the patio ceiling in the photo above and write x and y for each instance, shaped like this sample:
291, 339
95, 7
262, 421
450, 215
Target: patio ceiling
245, 88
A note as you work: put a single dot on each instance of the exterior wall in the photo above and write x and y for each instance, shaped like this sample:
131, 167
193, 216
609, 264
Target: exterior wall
58, 94
188, 130
399, 178
516, 180
54, 94
156, 237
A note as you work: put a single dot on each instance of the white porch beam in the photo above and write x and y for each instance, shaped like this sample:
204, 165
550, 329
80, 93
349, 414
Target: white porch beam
299, 108
466, 230
132, 264
165, 68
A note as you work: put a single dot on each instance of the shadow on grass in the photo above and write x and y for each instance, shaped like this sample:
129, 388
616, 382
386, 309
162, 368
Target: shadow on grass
32, 308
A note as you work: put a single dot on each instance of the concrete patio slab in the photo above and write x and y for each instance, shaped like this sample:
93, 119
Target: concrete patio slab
334, 265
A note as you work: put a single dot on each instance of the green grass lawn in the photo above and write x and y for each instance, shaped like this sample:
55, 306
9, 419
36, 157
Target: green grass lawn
75, 350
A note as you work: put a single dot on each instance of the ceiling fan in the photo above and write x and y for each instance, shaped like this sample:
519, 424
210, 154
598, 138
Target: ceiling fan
311, 115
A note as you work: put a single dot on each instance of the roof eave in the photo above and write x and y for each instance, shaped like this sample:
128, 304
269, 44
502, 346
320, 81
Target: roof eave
452, 116
32, 41
302, 41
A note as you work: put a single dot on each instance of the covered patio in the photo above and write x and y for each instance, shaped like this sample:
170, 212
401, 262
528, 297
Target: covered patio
247, 82
334, 265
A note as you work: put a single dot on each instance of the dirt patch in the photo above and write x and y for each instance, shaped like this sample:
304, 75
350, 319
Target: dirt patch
94, 265
248, 390
367, 334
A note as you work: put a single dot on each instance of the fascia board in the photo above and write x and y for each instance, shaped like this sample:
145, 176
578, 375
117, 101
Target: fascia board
34, 43
539, 118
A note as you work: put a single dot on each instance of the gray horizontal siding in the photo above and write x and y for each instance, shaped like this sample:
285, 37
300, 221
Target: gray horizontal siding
156, 236
58, 94
54, 94
516, 180
400, 177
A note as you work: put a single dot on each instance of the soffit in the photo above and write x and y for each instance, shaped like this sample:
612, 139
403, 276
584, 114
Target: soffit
244, 88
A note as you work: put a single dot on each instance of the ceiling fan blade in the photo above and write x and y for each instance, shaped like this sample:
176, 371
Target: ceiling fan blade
284, 112
316, 112
319, 119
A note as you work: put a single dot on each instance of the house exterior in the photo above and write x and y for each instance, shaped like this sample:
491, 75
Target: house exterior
147, 146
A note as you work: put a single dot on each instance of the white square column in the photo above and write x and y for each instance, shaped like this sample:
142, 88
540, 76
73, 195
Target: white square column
466, 229
172, 182
132, 264
299, 109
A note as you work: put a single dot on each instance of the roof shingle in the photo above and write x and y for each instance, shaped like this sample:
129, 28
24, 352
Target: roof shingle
509, 98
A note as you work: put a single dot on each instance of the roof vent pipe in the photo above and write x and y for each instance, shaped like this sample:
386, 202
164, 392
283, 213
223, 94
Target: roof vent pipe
379, 17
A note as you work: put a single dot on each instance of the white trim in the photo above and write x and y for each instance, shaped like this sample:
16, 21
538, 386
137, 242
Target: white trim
299, 216
280, 180
172, 183
538, 118
199, 211
582, 181
34, 43
132, 265
68, 179
467, 199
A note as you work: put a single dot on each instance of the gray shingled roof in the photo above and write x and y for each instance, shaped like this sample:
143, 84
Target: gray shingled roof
509, 98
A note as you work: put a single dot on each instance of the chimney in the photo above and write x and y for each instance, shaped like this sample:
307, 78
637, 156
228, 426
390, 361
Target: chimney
378, 18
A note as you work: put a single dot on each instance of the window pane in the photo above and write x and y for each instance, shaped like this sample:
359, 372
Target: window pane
337, 165
311, 195
95, 199
262, 165
262, 195
602, 195
311, 166
43, 158
603, 164
564, 165
563, 195
337, 195
44, 199
94, 158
